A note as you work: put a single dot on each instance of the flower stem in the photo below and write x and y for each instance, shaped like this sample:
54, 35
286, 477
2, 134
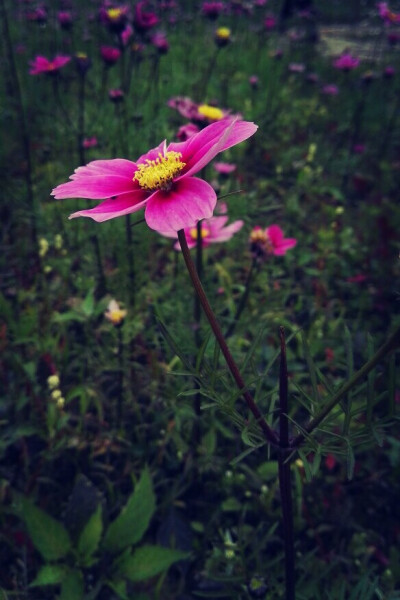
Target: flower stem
243, 300
268, 432
284, 474
391, 343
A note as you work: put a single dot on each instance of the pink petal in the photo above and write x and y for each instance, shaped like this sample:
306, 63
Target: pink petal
275, 234
227, 232
202, 147
189, 200
109, 209
284, 246
154, 153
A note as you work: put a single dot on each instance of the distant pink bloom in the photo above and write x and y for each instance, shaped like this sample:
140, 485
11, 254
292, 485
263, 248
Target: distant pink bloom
213, 231
269, 22
186, 131
116, 96
224, 168
296, 67
115, 18
360, 278
39, 15
160, 42
346, 62
359, 148
200, 114
126, 35
42, 65
389, 72
110, 55
144, 20
65, 20
212, 10
388, 16
89, 142
264, 242
161, 181
330, 89
254, 81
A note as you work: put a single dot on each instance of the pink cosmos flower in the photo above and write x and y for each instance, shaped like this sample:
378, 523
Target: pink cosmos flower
90, 142
213, 230
42, 65
269, 241
109, 54
201, 114
65, 19
144, 20
224, 168
346, 62
160, 42
330, 89
269, 22
126, 35
212, 10
186, 131
161, 181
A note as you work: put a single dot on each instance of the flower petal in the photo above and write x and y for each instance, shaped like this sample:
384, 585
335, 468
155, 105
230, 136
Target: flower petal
202, 147
189, 200
111, 208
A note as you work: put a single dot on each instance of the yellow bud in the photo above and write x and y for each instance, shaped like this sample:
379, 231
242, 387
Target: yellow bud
53, 381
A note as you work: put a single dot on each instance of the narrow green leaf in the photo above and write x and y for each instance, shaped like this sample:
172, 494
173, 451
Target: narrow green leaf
48, 535
87, 305
91, 534
133, 521
202, 350
371, 381
311, 370
148, 561
72, 587
49, 575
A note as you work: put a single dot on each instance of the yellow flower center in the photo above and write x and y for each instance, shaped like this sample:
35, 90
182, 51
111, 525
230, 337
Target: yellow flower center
223, 33
81, 55
116, 316
210, 112
204, 232
114, 13
159, 174
261, 238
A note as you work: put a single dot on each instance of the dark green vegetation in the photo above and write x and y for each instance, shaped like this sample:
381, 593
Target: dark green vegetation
149, 417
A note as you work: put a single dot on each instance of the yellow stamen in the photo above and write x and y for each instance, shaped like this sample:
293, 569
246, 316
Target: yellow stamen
204, 233
210, 112
260, 237
114, 13
223, 33
159, 174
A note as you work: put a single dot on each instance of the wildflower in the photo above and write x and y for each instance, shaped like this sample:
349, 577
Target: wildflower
116, 96
43, 247
82, 62
160, 42
270, 22
89, 142
212, 10
114, 313
126, 35
56, 394
296, 67
42, 65
330, 89
186, 131
201, 114
114, 18
222, 36
389, 72
161, 181
144, 20
346, 62
224, 168
212, 231
53, 381
254, 82
264, 242
64, 18
211, 113
39, 15
110, 55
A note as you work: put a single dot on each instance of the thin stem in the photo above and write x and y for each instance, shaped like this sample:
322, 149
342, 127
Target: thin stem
120, 377
243, 300
391, 343
284, 474
269, 433
81, 120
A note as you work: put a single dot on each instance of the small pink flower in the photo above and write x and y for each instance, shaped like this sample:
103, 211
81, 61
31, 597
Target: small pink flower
161, 181
264, 242
296, 67
65, 19
110, 55
116, 96
160, 42
224, 168
42, 65
126, 35
360, 278
346, 62
389, 72
114, 18
212, 231
254, 81
89, 142
330, 89
269, 22
144, 20
212, 10
186, 131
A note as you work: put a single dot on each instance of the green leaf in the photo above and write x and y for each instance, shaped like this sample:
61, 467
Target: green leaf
91, 534
72, 587
49, 575
48, 535
148, 561
132, 522
87, 305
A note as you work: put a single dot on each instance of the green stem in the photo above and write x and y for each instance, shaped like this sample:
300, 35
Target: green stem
285, 485
391, 343
269, 433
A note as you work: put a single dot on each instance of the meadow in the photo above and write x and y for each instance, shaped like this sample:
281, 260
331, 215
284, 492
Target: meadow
199, 390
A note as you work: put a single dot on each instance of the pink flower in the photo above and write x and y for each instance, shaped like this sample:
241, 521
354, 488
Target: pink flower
296, 67
161, 181
269, 241
346, 62
186, 131
212, 10
270, 22
42, 65
224, 168
201, 114
126, 35
115, 18
160, 42
330, 89
65, 19
144, 20
89, 142
110, 55
213, 230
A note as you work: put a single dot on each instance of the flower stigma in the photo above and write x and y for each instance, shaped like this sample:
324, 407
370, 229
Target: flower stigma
210, 112
159, 174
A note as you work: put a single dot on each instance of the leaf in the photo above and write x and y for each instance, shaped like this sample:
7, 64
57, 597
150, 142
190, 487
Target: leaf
87, 305
72, 587
132, 522
48, 535
148, 561
91, 534
49, 575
